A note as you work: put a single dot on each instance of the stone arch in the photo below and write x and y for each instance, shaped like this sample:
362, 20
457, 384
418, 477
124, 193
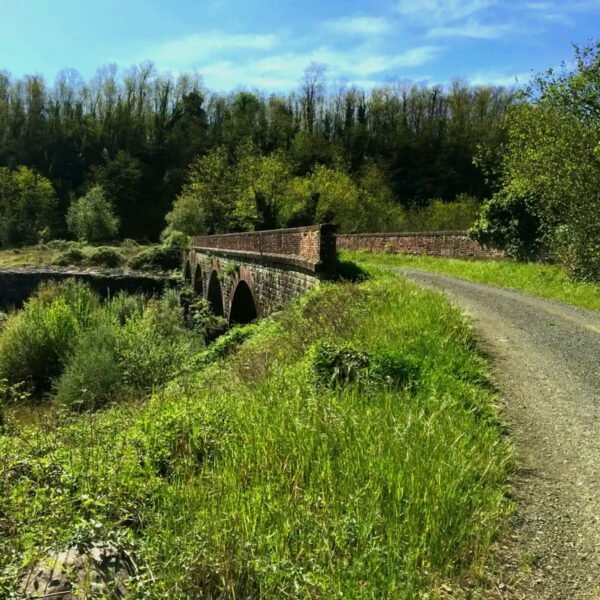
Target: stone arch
187, 272
198, 282
215, 295
243, 307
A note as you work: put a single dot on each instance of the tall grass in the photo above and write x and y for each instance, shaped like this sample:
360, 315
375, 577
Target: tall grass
251, 480
67, 344
547, 281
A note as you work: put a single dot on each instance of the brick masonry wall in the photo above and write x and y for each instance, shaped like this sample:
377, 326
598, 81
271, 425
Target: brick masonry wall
310, 245
272, 285
453, 244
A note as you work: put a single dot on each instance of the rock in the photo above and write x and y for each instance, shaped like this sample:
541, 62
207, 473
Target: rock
98, 571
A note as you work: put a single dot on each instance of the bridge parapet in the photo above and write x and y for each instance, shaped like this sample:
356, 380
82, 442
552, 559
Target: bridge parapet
311, 248
247, 275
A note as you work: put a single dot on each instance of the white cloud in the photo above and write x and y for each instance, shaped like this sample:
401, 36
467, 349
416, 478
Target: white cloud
358, 25
471, 29
187, 51
284, 71
500, 78
442, 11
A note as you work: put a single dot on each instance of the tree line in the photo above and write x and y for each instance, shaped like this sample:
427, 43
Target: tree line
138, 134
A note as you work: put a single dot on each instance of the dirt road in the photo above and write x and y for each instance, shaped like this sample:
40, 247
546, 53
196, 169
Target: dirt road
546, 358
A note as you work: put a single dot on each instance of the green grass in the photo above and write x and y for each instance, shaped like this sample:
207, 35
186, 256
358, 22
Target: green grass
548, 281
254, 479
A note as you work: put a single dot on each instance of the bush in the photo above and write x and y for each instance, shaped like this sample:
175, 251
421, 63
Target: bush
507, 222
93, 376
106, 257
72, 256
154, 347
36, 341
27, 206
156, 259
3, 319
124, 307
188, 213
91, 218
175, 240
201, 319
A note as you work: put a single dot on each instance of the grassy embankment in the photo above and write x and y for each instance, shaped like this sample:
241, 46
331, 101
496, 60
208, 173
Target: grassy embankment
76, 254
548, 281
348, 449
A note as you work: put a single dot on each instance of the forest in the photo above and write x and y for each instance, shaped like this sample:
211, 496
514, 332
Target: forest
135, 133
128, 154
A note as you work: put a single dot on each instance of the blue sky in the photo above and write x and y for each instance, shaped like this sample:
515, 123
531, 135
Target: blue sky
267, 44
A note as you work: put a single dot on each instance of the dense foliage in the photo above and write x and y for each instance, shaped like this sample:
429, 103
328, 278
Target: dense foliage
550, 185
282, 470
66, 343
91, 219
27, 207
136, 133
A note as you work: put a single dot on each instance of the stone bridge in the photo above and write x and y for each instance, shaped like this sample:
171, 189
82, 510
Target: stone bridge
244, 276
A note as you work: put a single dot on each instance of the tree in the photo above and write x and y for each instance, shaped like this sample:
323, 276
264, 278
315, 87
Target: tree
27, 206
552, 164
187, 214
91, 217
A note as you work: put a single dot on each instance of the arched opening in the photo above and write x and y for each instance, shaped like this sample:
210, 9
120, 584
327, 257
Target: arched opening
243, 308
187, 274
198, 284
215, 295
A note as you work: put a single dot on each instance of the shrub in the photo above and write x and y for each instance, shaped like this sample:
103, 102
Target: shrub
201, 319
27, 206
154, 347
3, 319
37, 340
507, 222
91, 218
106, 257
175, 239
159, 258
123, 307
72, 256
93, 376
188, 213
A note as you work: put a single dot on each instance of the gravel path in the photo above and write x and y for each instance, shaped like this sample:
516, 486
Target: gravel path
546, 358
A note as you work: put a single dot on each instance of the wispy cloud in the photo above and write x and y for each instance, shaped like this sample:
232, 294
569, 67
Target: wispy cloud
359, 25
226, 60
442, 11
189, 50
284, 71
471, 29
500, 78
455, 18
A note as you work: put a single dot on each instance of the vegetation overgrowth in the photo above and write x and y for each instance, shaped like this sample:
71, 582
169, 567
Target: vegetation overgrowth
349, 447
546, 280
66, 343
548, 202
135, 133
165, 256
